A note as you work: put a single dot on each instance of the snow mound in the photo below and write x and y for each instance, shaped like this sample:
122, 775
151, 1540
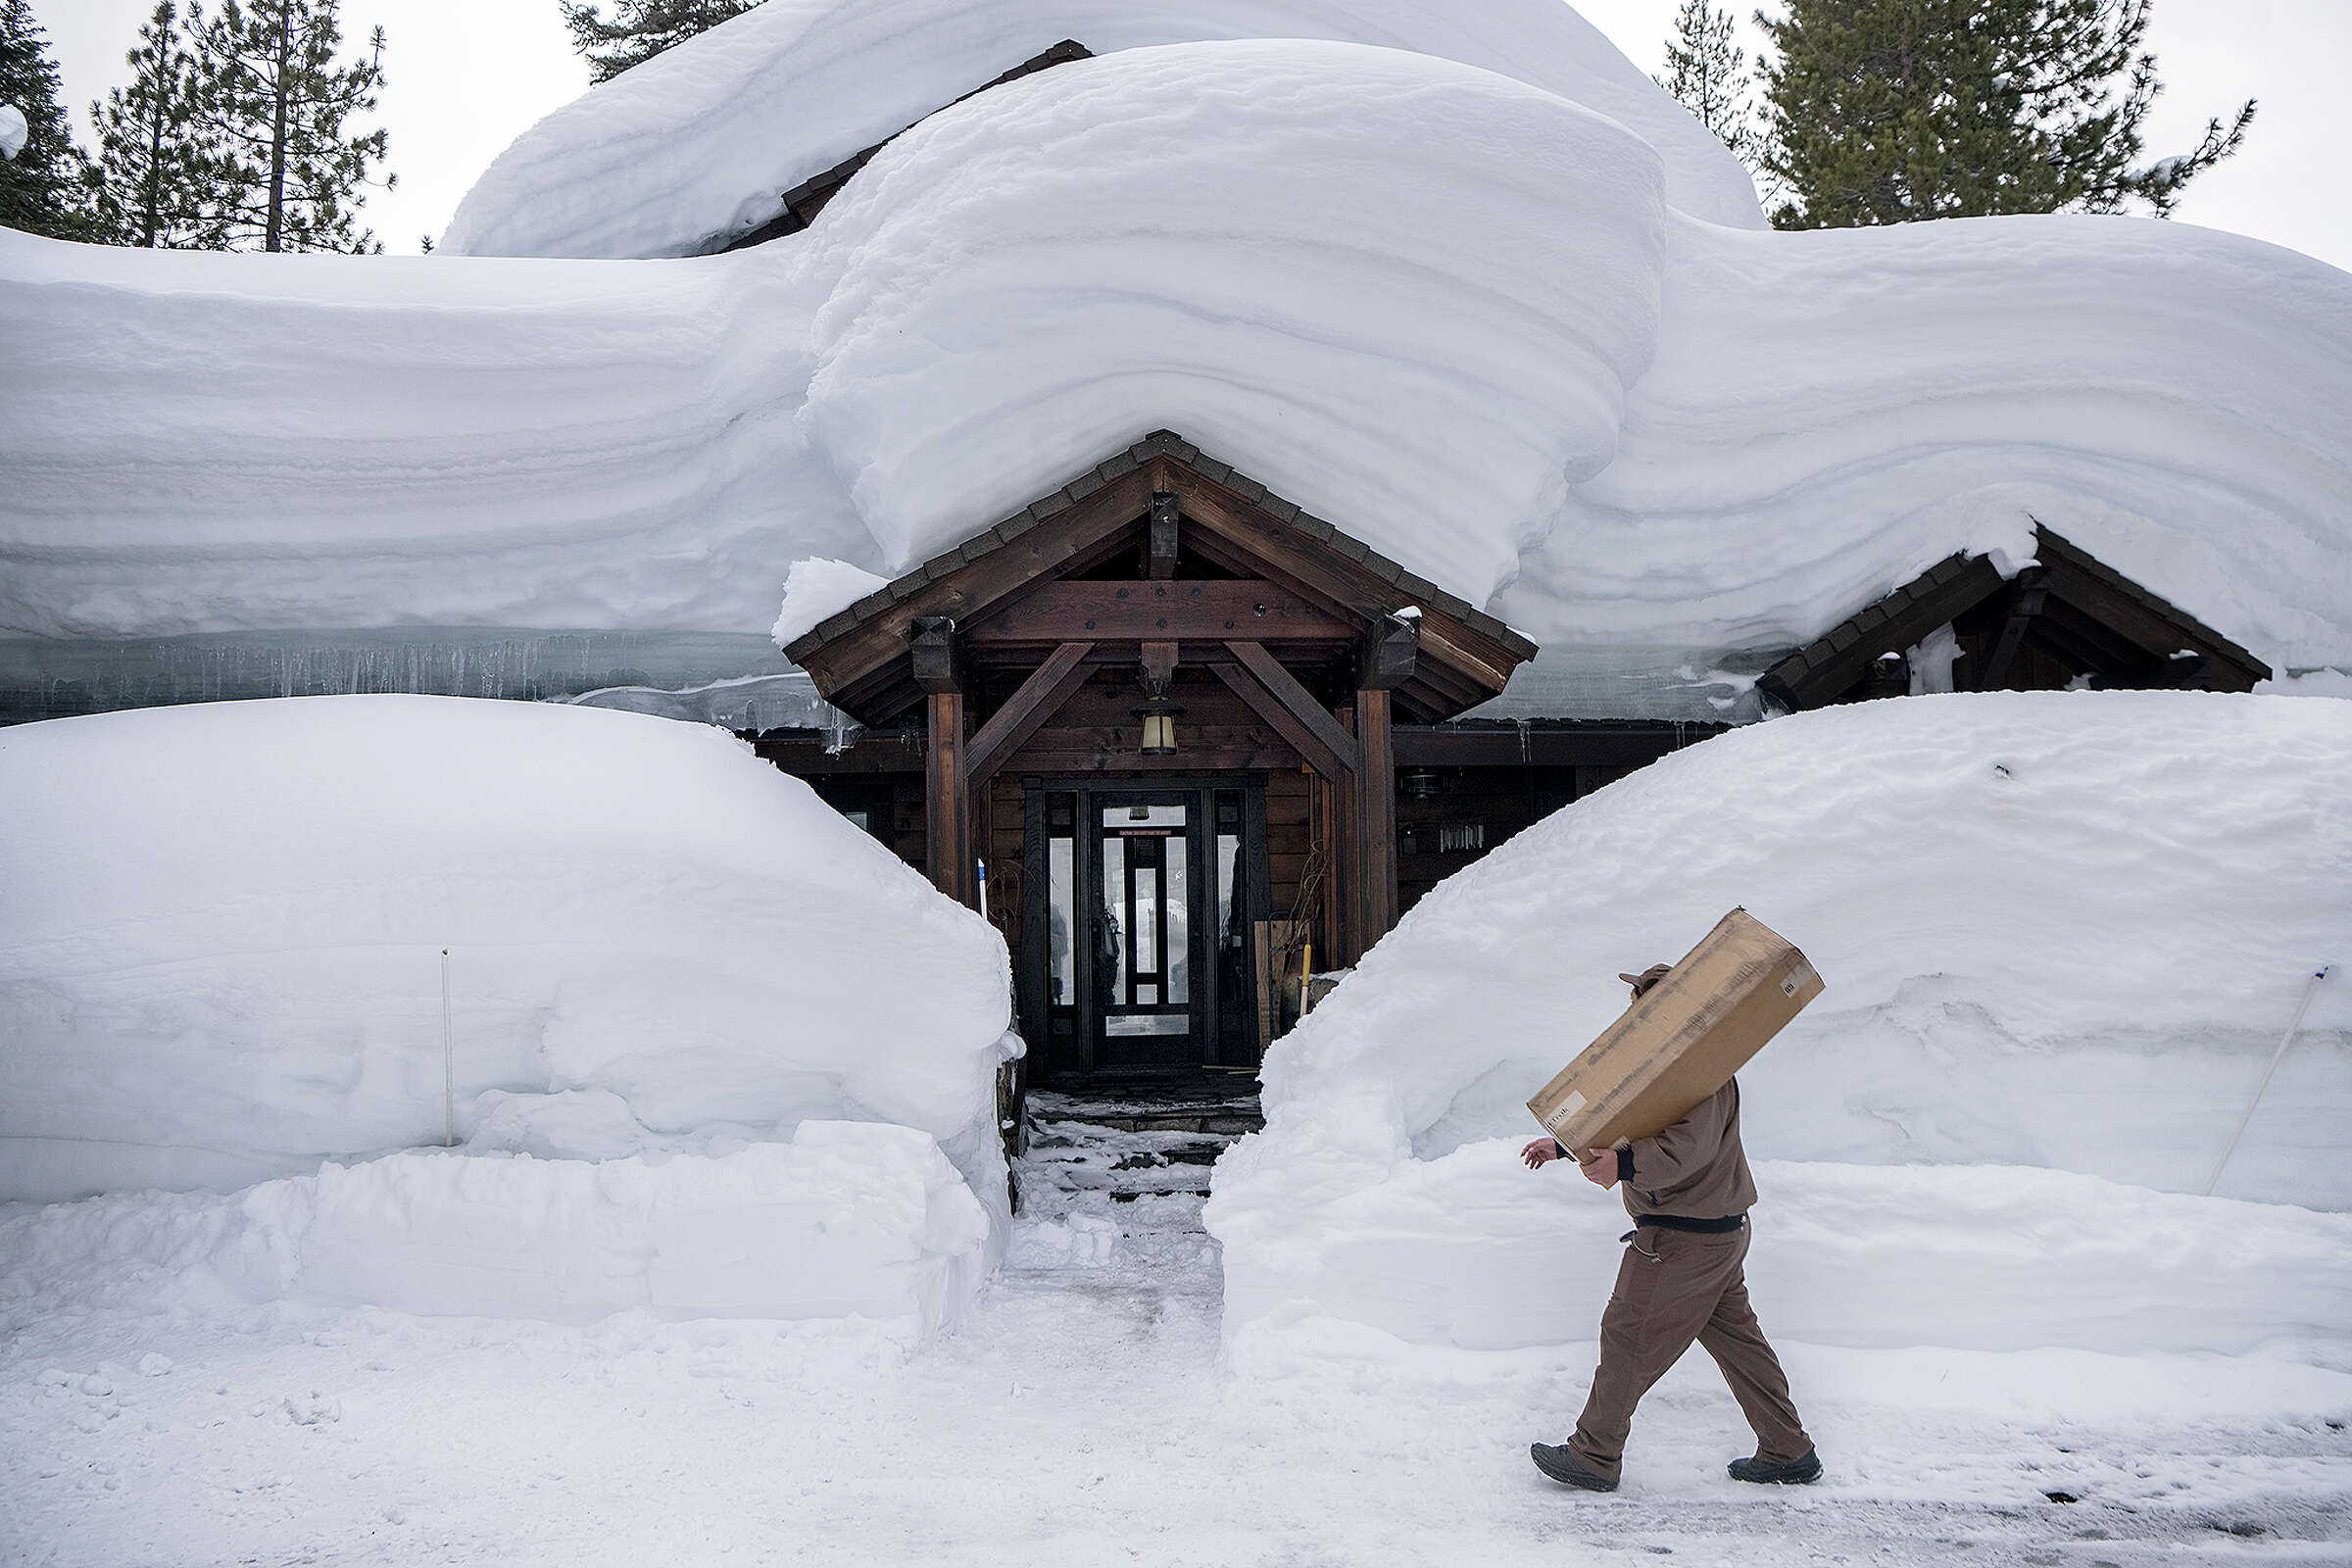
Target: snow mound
222, 931
702, 141
1830, 414
847, 1220
1215, 230
2061, 933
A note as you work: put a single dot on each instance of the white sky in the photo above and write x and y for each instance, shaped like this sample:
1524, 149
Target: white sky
469, 75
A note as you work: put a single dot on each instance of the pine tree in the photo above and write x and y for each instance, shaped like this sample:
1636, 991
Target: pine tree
640, 30
275, 99
40, 188
1708, 75
1891, 111
155, 179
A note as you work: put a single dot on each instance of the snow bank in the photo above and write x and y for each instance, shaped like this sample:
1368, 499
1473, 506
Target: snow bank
2062, 933
222, 932
1829, 414
702, 141
846, 1220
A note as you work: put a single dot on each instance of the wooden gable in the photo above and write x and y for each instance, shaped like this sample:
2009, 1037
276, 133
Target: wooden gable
1162, 544
2069, 616
805, 200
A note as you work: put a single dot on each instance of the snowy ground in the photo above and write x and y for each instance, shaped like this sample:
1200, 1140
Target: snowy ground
1085, 1415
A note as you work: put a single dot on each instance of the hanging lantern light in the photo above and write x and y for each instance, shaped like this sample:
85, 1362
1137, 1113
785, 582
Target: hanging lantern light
1159, 717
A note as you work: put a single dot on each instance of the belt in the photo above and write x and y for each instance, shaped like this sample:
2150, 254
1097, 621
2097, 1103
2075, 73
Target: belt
1678, 1223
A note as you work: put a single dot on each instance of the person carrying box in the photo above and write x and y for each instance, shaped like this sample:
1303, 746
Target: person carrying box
1689, 1191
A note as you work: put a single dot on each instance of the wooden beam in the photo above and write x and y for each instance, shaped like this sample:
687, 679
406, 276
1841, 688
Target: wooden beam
966, 582
1047, 687
1162, 550
1278, 697
1513, 746
2027, 595
1376, 816
1389, 652
1279, 550
1156, 611
1826, 669
946, 856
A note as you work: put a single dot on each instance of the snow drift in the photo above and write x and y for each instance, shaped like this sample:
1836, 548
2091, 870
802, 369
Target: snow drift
222, 932
702, 141
2061, 934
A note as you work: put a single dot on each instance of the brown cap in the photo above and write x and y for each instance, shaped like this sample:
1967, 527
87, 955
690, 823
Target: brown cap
1647, 978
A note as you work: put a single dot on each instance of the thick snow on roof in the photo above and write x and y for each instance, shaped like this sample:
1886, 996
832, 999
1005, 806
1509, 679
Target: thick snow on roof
703, 141
1829, 414
2061, 933
1450, 312
222, 930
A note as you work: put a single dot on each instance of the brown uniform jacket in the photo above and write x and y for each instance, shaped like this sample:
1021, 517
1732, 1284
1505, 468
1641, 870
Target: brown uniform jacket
1695, 1168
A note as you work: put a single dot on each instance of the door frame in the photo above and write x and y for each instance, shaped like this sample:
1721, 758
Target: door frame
1074, 1053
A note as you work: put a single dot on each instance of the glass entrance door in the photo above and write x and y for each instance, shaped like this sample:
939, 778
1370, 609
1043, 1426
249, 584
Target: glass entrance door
1142, 938
1138, 902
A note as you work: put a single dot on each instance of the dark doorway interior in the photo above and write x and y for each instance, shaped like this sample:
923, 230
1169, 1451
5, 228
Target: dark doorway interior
1141, 897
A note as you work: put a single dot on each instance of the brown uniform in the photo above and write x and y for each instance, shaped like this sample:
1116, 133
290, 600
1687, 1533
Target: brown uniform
1676, 1286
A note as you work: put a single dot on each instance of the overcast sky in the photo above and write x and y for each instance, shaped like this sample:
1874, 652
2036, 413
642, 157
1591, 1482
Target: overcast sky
466, 76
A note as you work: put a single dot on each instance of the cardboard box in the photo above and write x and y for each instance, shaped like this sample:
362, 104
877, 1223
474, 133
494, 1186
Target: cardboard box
1681, 1041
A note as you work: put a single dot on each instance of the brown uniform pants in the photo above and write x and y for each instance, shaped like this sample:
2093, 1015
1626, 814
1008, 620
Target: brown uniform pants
1672, 1288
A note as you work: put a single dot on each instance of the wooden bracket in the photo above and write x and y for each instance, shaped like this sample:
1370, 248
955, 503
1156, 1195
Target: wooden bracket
1260, 680
1040, 697
1389, 652
937, 655
1164, 512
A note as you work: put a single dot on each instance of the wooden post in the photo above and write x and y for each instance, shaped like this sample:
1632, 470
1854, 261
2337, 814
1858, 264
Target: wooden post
2027, 596
1376, 816
947, 788
947, 799
1347, 858
1162, 543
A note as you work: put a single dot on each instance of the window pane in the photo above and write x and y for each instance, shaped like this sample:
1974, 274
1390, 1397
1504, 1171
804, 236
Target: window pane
1061, 908
1110, 928
1179, 949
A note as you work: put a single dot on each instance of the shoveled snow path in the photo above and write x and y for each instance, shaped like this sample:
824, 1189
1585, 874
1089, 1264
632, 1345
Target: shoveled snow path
1083, 1415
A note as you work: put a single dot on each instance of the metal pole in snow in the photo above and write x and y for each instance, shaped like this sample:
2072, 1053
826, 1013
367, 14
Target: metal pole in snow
449, 1064
983, 865
2309, 990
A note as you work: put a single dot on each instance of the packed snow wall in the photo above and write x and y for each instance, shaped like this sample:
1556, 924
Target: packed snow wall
669, 969
700, 143
2062, 934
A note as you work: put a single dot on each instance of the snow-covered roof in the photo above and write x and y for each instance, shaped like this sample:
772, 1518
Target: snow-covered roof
700, 142
1456, 313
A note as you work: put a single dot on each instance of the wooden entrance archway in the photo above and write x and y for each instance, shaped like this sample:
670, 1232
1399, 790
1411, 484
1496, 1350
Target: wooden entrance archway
1292, 648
